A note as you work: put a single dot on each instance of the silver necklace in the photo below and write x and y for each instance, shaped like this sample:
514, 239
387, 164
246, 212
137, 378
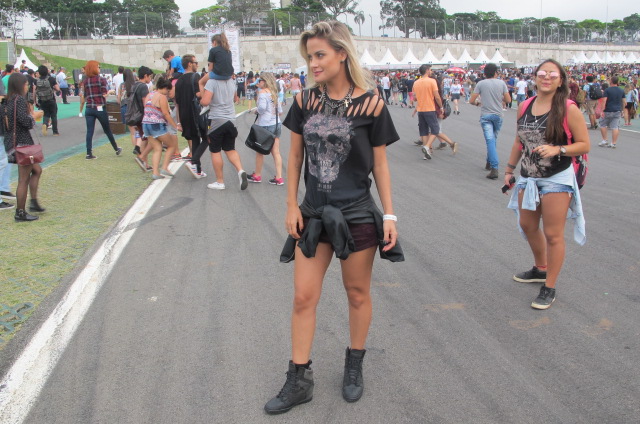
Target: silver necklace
336, 107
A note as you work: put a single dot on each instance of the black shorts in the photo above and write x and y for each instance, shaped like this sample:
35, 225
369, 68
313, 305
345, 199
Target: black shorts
428, 123
364, 235
240, 91
223, 138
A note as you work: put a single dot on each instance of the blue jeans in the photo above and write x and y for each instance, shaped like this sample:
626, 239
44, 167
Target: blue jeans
491, 125
90, 116
5, 169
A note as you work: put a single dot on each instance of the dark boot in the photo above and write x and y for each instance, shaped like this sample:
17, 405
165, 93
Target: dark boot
22, 215
298, 389
352, 382
494, 174
34, 206
487, 166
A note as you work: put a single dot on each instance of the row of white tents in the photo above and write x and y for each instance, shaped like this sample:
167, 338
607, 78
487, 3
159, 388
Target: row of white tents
410, 61
606, 58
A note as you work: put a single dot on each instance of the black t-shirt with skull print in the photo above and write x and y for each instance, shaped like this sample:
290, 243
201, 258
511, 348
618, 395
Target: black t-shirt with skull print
339, 149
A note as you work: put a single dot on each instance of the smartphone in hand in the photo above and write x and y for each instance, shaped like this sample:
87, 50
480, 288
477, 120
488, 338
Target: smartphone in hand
506, 187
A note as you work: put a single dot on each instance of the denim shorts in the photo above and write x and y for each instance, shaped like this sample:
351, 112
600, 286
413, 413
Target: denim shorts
545, 187
610, 120
273, 130
154, 130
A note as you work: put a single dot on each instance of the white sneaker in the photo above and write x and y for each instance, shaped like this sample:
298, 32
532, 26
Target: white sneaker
244, 182
201, 175
192, 168
613, 146
426, 152
216, 186
603, 143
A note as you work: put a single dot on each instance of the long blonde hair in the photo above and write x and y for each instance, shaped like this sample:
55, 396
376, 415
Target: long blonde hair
339, 38
221, 40
270, 82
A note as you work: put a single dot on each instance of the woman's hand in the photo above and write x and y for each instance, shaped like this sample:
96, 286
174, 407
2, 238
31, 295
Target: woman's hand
390, 234
293, 222
547, 150
37, 114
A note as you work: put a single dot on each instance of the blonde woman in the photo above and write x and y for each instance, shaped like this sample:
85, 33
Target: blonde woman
339, 134
269, 111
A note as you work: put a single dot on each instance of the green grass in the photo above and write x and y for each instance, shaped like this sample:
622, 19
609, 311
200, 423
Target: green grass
66, 62
4, 53
83, 199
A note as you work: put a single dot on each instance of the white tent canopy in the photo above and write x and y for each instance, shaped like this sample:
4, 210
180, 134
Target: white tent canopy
482, 58
29, 64
631, 58
367, 60
498, 58
595, 58
430, 59
410, 60
448, 57
388, 61
465, 57
609, 58
619, 58
581, 57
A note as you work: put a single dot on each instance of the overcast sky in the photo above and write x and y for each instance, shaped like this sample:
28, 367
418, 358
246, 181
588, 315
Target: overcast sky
564, 10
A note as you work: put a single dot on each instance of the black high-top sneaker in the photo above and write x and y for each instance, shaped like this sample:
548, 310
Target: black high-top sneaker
298, 389
352, 382
22, 215
34, 206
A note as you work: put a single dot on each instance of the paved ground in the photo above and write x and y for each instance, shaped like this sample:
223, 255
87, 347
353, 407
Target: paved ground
192, 324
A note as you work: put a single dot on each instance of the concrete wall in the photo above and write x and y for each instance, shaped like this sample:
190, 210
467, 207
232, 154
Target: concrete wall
265, 52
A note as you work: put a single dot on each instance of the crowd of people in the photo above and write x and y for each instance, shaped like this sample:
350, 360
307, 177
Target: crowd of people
345, 110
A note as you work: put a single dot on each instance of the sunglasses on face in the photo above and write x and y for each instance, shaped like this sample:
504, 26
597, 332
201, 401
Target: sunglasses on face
551, 75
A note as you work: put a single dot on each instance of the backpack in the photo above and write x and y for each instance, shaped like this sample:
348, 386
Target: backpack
44, 91
581, 97
135, 111
580, 163
446, 108
595, 91
402, 86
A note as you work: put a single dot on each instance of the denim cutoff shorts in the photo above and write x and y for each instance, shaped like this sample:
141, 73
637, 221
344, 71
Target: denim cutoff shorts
273, 130
545, 187
154, 130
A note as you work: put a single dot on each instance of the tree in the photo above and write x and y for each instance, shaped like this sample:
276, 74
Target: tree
339, 7
207, 17
413, 16
359, 19
632, 24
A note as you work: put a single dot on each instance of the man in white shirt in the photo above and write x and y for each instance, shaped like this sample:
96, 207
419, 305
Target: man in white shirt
118, 79
386, 86
521, 94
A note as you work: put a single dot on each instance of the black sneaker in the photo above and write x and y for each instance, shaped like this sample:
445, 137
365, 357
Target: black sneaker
544, 299
4, 206
534, 275
441, 146
7, 195
418, 142
118, 151
352, 382
493, 174
90, 157
22, 215
298, 389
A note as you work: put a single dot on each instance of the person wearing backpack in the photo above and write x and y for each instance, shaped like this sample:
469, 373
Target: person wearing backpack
592, 101
45, 97
550, 132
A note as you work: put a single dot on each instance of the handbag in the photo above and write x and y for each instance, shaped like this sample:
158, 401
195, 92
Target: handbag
260, 139
134, 114
29, 154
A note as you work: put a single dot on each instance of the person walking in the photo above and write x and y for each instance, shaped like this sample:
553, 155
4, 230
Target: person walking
339, 134
220, 96
61, 80
610, 120
18, 122
547, 188
45, 98
94, 95
631, 97
456, 91
591, 88
268, 111
493, 94
426, 93
154, 125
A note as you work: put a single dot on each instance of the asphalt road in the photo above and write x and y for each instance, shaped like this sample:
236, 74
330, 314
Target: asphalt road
192, 325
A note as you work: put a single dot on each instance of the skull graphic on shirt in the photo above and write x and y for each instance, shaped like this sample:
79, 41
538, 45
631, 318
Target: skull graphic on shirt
327, 139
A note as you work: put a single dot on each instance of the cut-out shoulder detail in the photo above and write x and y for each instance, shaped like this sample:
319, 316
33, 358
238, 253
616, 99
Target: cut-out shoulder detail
299, 99
378, 106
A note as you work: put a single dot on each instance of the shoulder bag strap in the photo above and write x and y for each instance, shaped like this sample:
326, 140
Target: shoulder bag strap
525, 106
15, 118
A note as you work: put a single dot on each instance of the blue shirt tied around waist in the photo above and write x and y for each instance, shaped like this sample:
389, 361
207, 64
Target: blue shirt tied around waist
531, 200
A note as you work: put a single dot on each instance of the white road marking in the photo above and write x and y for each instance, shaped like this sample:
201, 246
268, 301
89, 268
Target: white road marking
21, 386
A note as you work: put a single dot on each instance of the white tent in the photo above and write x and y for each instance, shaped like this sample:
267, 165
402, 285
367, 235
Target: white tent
609, 58
23, 56
430, 59
595, 58
482, 58
388, 61
465, 57
367, 60
581, 57
619, 57
448, 57
498, 58
631, 58
410, 61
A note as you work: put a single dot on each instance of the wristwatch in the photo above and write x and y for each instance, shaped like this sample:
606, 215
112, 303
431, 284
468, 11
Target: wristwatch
563, 151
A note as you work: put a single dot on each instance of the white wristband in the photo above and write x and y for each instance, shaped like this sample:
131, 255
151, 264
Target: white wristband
390, 218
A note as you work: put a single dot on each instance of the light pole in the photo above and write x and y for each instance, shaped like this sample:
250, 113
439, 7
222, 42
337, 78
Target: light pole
415, 28
435, 29
371, 22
